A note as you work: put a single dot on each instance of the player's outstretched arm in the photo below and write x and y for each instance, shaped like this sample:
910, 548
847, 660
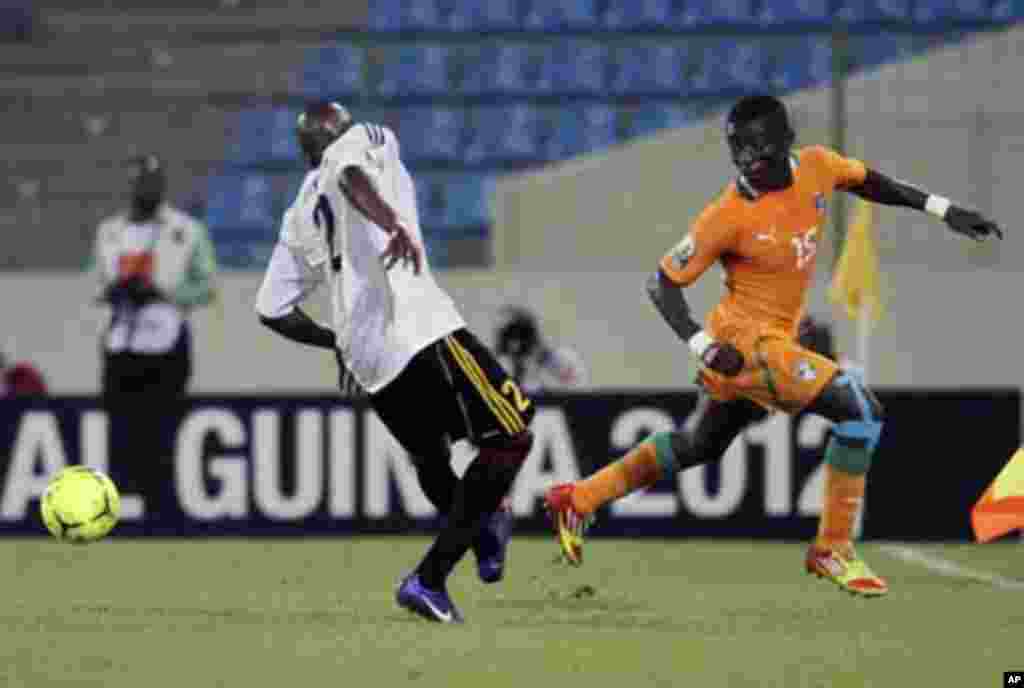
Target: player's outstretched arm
286, 283
879, 188
360, 192
668, 298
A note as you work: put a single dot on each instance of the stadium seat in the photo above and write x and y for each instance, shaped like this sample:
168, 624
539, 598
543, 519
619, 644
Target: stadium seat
504, 68
650, 118
265, 136
715, 12
430, 134
499, 15
336, 71
1007, 10
399, 15
385, 15
556, 15
242, 250
795, 12
467, 197
239, 201
502, 134
579, 67
17, 21
728, 66
579, 130
648, 69
856, 11
413, 69
795, 63
944, 11
638, 14
867, 51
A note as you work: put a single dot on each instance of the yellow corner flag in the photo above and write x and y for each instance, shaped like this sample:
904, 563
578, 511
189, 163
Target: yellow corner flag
856, 281
1001, 508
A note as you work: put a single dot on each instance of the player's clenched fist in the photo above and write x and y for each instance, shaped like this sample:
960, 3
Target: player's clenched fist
970, 223
721, 357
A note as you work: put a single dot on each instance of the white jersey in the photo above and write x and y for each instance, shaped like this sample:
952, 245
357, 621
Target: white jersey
382, 318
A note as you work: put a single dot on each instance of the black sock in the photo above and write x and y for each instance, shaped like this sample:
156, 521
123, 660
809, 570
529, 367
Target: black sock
477, 496
438, 481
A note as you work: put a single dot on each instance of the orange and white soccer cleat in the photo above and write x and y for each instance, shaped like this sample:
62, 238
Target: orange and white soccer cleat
570, 525
847, 570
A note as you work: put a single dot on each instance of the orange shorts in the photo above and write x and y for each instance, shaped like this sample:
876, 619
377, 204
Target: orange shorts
779, 374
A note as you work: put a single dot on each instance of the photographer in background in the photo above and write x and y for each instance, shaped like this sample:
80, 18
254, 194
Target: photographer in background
530, 360
154, 264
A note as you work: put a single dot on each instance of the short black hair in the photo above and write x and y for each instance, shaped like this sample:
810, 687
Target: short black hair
749, 108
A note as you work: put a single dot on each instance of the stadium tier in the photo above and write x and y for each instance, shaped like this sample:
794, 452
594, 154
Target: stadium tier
475, 90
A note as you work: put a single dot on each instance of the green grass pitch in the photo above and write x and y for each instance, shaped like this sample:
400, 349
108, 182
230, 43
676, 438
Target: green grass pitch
320, 612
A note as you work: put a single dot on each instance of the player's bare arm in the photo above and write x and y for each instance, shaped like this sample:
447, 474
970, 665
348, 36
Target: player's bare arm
299, 327
670, 301
360, 192
878, 188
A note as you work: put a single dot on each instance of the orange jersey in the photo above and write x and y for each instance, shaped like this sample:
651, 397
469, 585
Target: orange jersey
767, 244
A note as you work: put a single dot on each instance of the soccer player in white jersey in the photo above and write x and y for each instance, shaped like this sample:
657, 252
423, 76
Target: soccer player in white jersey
354, 226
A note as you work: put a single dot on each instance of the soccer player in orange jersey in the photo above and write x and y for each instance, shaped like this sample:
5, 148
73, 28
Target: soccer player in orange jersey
764, 229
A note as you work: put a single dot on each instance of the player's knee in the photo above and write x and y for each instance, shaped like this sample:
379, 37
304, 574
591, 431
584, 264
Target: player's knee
512, 449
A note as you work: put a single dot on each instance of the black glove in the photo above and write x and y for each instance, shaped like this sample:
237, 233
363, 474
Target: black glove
133, 291
971, 224
347, 383
723, 358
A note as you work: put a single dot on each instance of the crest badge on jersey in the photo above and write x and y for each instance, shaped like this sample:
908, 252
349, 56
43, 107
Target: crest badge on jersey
819, 203
805, 370
682, 252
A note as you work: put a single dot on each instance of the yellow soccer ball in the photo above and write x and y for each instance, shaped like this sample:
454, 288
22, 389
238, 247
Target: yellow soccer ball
80, 505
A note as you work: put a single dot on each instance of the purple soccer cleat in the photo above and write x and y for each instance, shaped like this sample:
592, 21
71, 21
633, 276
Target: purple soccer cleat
492, 544
433, 605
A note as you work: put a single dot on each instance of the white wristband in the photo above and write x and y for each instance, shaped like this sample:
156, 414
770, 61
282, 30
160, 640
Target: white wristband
699, 343
937, 206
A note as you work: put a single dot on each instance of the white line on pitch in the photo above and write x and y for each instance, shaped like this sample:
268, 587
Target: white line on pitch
945, 567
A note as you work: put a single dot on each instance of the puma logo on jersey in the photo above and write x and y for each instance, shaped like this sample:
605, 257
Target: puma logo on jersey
761, 236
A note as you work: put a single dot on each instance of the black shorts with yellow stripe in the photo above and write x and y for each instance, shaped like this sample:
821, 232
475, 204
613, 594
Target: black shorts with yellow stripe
453, 389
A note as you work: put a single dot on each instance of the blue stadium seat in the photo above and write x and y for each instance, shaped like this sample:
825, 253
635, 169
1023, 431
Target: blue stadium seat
579, 67
856, 11
503, 68
385, 15
502, 134
242, 250
431, 200
715, 12
730, 66
579, 130
430, 134
944, 11
468, 201
500, 15
452, 200
652, 68
638, 14
413, 69
801, 62
265, 136
555, 15
237, 201
867, 51
653, 117
18, 20
1007, 10
795, 12
336, 71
